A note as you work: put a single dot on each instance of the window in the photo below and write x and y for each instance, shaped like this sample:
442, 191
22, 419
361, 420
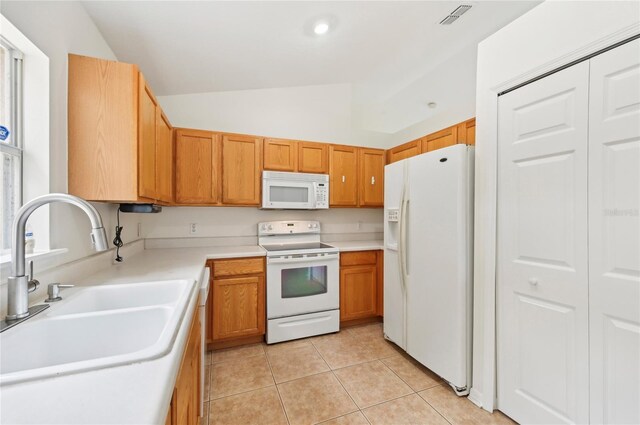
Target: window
10, 136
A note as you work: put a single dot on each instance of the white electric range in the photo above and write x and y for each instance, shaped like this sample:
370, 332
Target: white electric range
303, 280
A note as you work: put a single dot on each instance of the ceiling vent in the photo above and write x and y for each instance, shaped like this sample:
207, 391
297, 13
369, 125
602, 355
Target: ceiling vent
451, 17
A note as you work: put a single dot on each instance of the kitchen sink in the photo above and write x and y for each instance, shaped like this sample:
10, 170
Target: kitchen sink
97, 327
111, 297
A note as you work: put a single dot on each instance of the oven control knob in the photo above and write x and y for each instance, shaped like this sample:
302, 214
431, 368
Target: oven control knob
269, 227
309, 225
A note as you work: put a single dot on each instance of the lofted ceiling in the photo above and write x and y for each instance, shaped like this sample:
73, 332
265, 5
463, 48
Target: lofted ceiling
381, 47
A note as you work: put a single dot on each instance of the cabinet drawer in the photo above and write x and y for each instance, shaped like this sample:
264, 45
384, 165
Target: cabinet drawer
238, 266
358, 258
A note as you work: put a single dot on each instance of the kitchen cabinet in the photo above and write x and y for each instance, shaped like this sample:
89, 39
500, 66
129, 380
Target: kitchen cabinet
185, 402
296, 156
361, 288
164, 158
371, 169
343, 176
241, 169
313, 157
236, 303
440, 139
197, 166
112, 132
467, 132
280, 155
406, 150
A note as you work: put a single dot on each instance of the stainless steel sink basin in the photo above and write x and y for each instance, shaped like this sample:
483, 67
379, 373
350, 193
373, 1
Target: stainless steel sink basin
97, 327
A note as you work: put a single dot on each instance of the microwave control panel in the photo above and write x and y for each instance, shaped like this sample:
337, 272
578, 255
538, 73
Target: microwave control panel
322, 195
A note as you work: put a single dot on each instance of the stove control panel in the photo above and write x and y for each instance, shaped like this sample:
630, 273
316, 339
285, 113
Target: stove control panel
288, 227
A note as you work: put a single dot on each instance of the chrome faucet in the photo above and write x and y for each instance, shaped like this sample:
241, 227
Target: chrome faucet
20, 285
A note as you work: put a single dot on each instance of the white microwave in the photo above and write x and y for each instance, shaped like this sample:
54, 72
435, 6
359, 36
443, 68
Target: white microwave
295, 191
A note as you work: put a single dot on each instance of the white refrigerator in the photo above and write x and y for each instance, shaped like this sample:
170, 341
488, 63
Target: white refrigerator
428, 260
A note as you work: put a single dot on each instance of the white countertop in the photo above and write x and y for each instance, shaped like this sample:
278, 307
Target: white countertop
345, 246
138, 393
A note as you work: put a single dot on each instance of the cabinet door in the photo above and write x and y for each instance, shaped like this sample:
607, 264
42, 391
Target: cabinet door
164, 158
197, 162
146, 141
343, 175
406, 150
371, 164
280, 155
440, 139
238, 307
241, 169
185, 404
313, 157
358, 292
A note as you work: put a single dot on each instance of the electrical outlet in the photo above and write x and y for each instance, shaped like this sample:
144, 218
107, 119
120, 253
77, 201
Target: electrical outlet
193, 228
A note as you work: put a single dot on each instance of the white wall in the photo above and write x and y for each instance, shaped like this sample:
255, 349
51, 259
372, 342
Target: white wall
59, 28
238, 226
315, 113
549, 36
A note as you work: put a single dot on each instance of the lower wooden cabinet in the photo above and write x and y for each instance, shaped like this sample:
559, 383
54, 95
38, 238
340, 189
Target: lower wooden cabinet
236, 302
185, 403
360, 285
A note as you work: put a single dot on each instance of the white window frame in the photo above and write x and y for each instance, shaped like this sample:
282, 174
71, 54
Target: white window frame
16, 147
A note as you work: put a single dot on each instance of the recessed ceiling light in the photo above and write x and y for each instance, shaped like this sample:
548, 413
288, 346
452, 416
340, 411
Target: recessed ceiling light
321, 27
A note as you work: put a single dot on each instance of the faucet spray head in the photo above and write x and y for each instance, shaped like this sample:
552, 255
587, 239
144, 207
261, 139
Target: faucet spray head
99, 239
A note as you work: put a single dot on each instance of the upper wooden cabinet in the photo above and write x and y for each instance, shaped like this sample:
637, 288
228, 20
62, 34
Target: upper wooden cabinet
313, 157
197, 167
464, 132
343, 176
440, 139
280, 155
406, 150
112, 124
467, 132
164, 158
295, 156
241, 169
371, 169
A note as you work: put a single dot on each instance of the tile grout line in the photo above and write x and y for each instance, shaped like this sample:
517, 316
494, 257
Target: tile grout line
284, 409
434, 408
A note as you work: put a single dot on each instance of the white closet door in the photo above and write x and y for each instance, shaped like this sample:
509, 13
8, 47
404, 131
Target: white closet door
614, 235
543, 344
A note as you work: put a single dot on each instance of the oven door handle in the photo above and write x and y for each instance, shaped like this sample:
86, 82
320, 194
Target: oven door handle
304, 259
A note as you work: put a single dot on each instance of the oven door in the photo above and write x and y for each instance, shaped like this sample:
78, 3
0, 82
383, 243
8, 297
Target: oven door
283, 194
303, 284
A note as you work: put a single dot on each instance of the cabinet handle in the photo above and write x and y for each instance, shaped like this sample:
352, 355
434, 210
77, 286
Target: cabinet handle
373, 180
343, 179
533, 281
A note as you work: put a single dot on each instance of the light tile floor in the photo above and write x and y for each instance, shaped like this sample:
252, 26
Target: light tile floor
352, 377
